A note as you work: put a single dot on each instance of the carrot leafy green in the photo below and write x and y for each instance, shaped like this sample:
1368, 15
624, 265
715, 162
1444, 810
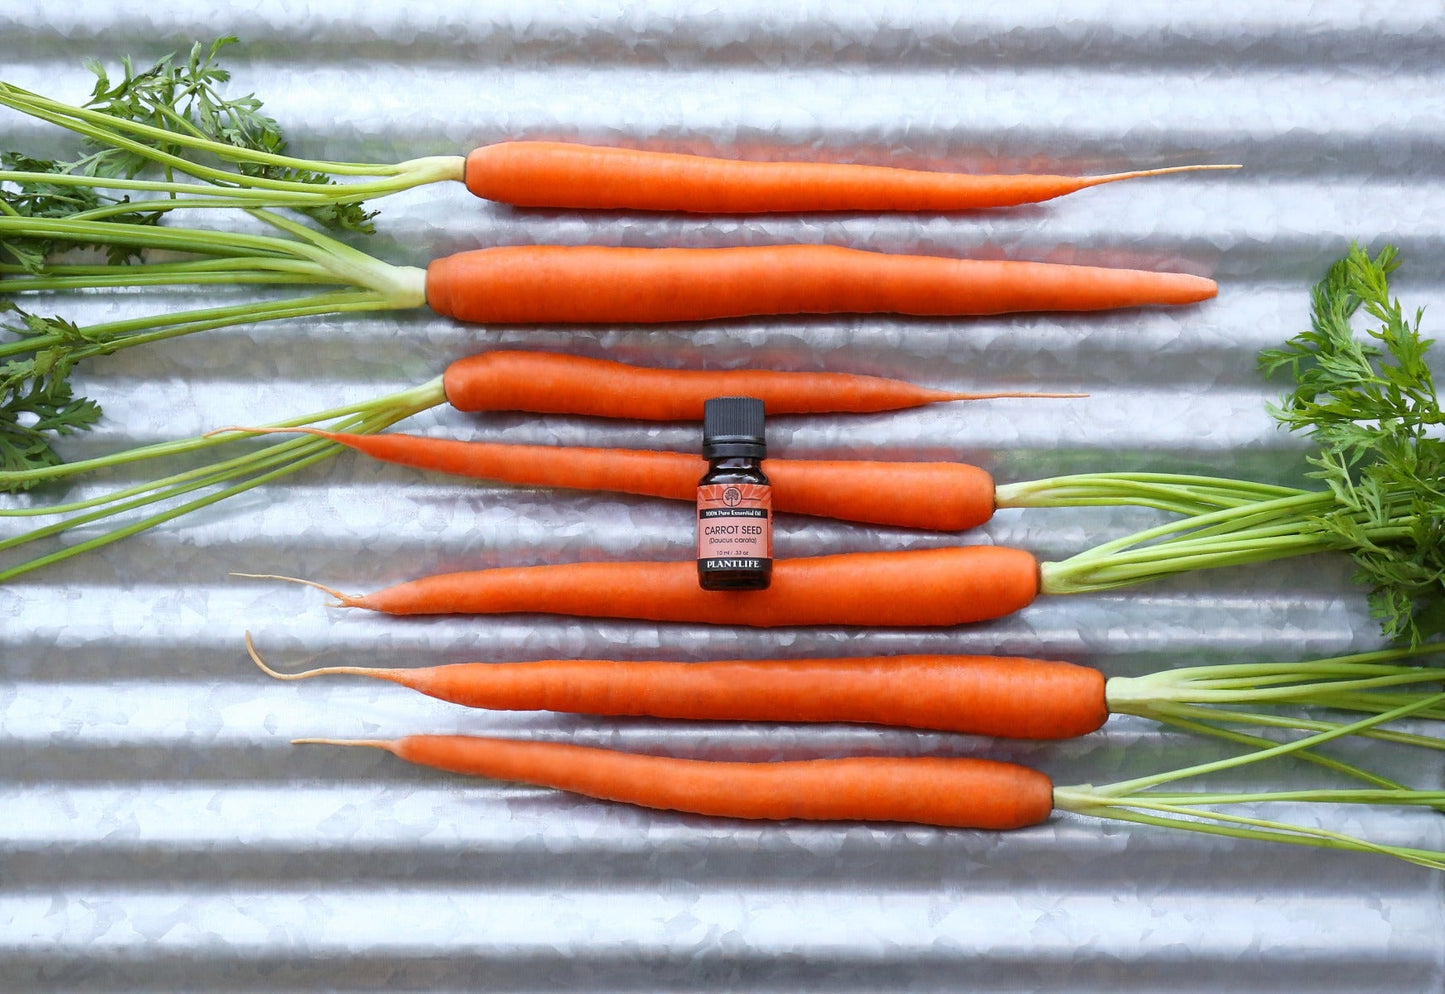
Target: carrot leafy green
171, 116
50, 206
1373, 409
184, 98
37, 354
36, 398
209, 151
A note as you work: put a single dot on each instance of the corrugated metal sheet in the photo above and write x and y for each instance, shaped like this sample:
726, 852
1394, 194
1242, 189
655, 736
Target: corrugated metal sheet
159, 833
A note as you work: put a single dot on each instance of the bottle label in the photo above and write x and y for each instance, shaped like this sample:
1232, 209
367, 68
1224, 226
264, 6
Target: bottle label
734, 525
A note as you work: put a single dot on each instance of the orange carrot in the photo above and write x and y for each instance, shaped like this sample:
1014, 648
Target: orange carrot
559, 174
591, 284
916, 588
553, 383
951, 792
938, 496
981, 695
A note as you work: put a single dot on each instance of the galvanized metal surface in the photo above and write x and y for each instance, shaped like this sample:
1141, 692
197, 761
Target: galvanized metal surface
157, 830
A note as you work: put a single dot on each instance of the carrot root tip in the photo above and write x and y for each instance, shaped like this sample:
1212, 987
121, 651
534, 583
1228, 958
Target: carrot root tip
381, 673
369, 743
342, 600
1162, 171
302, 675
245, 430
1016, 395
233, 430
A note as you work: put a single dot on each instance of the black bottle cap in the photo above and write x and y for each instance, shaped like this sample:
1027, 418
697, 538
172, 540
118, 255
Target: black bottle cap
733, 426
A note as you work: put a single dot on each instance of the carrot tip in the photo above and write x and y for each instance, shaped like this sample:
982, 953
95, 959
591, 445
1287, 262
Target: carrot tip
377, 672
343, 600
1016, 395
245, 430
1162, 171
256, 658
372, 743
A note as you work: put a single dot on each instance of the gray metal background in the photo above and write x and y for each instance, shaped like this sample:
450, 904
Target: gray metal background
158, 832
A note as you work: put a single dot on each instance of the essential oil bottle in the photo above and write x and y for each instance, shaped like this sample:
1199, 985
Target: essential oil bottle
734, 498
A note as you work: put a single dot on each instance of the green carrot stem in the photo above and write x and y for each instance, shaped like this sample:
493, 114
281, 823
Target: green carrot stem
108, 130
1295, 692
1070, 577
1329, 735
114, 336
1403, 797
1347, 664
1170, 712
17, 275
1272, 535
386, 411
144, 275
1233, 826
1374, 702
204, 193
197, 240
237, 269
157, 519
166, 205
1201, 492
269, 464
342, 263
342, 302
1201, 721
1134, 801
160, 491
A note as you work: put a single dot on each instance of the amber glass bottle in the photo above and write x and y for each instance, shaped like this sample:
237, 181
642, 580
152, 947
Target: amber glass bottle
734, 498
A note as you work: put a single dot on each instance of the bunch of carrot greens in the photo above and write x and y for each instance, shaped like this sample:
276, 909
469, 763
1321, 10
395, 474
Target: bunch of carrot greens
166, 136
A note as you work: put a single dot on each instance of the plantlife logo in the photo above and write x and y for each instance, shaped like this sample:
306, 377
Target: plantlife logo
732, 496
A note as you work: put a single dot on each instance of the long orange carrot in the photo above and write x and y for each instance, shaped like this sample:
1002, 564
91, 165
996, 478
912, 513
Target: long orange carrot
590, 284
951, 792
555, 383
915, 588
938, 496
946, 792
981, 695
559, 174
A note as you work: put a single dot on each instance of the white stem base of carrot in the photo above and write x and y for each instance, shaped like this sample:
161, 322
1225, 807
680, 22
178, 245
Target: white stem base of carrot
433, 169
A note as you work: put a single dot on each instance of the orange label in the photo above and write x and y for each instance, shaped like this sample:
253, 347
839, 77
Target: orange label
734, 522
